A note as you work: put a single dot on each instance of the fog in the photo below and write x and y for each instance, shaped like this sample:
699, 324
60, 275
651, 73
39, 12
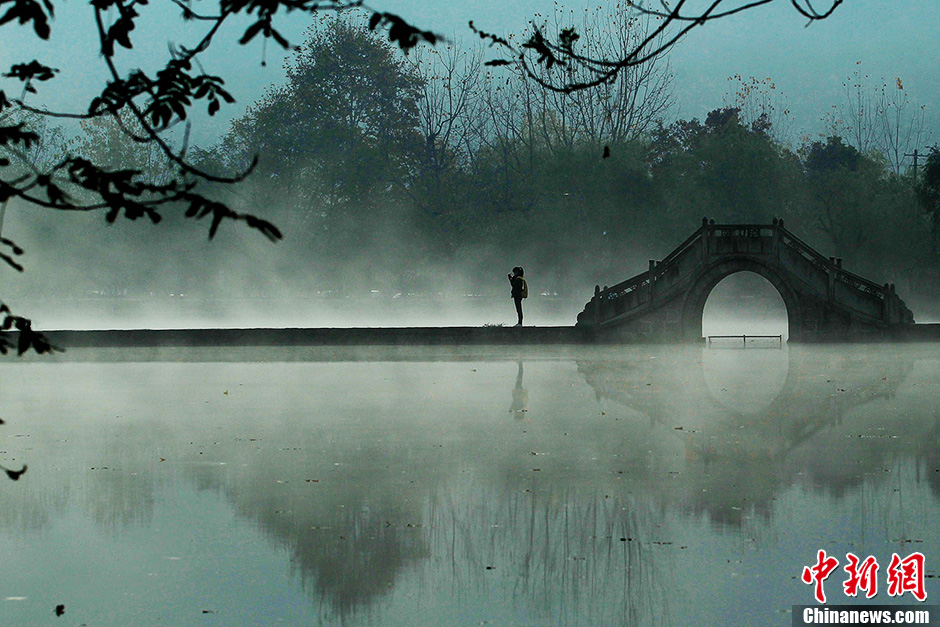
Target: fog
421, 230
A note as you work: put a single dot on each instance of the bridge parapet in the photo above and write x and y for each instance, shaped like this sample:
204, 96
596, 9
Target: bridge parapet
667, 300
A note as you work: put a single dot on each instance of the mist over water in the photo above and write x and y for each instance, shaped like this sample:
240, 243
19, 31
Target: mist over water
744, 303
114, 278
568, 486
360, 310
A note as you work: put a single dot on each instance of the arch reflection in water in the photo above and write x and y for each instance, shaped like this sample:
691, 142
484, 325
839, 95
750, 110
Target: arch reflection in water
745, 381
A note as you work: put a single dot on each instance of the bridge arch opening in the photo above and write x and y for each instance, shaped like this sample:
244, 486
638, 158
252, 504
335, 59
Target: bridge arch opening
744, 303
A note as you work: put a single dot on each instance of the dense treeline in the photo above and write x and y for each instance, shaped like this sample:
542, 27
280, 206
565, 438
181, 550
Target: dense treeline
435, 173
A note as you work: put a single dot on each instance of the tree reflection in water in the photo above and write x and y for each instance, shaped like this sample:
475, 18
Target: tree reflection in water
409, 485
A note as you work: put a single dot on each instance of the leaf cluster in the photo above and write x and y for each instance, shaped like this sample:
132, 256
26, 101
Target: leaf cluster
28, 72
26, 11
400, 32
12, 135
26, 337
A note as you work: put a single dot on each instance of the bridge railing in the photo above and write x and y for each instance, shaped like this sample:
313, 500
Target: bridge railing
861, 284
625, 287
614, 300
635, 282
844, 276
793, 242
742, 230
681, 248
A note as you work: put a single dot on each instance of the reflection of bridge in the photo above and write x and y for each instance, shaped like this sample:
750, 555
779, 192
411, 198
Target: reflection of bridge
785, 414
736, 460
823, 301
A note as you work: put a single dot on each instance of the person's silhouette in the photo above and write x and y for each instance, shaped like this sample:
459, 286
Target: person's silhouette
519, 290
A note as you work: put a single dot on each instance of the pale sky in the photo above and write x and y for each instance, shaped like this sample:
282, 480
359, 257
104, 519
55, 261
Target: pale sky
890, 38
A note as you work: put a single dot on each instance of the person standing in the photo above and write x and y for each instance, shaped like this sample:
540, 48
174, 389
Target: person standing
519, 291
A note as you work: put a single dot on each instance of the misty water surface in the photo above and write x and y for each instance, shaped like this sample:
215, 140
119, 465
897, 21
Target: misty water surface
566, 486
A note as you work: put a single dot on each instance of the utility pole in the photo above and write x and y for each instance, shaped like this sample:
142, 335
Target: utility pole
914, 154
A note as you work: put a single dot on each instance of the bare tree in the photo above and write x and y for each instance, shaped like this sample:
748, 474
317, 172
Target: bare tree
880, 118
626, 107
541, 51
760, 106
450, 113
507, 135
450, 106
613, 112
900, 125
856, 119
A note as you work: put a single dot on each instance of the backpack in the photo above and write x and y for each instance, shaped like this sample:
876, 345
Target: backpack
525, 288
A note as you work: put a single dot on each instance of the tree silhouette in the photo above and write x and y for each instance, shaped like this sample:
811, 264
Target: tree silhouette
928, 192
341, 126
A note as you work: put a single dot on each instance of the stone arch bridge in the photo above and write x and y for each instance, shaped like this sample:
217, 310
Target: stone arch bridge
824, 301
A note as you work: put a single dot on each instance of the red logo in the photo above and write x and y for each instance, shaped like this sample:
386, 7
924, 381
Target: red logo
904, 575
864, 576
819, 573
907, 575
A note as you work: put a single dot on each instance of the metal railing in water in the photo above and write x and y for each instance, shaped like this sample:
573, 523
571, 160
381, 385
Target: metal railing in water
745, 338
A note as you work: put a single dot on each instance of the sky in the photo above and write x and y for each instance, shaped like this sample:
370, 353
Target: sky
884, 39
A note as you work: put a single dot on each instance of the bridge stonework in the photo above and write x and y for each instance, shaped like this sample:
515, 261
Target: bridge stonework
824, 302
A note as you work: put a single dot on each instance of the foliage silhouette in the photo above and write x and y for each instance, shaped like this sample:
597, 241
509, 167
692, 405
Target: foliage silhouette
343, 124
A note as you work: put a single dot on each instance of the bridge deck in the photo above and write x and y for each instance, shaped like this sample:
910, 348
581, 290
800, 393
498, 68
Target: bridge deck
403, 336
391, 336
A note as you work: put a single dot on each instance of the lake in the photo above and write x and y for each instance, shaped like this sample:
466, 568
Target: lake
615, 485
